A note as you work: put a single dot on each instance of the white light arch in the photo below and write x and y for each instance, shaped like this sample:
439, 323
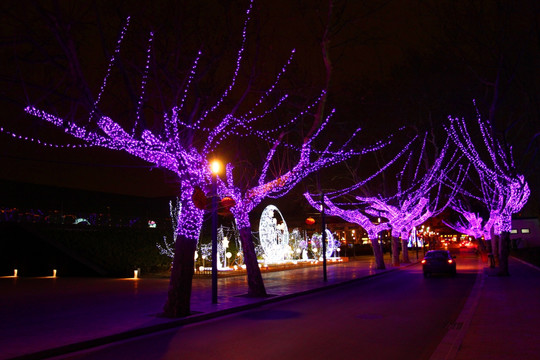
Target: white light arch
274, 235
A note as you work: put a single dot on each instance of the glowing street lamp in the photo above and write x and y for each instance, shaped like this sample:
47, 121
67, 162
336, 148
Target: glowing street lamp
215, 167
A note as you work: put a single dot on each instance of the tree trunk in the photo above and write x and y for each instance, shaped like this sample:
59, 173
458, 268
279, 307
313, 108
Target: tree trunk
482, 247
254, 277
188, 230
489, 248
504, 253
179, 294
377, 252
495, 241
405, 251
395, 251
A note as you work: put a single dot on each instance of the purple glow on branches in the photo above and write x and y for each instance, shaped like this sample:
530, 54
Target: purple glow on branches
143, 82
472, 226
402, 219
271, 89
407, 208
109, 68
308, 163
189, 160
353, 216
236, 70
337, 193
41, 142
504, 191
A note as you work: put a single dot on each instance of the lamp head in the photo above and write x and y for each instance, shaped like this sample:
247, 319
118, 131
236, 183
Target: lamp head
215, 167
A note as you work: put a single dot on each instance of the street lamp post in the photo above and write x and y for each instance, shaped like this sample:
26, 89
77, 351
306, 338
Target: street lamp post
216, 167
323, 226
416, 241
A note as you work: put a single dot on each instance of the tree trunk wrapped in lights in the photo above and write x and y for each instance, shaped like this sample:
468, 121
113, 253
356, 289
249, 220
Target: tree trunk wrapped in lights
189, 226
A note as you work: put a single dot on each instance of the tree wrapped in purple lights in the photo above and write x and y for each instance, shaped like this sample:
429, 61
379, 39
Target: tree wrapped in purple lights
403, 211
410, 207
504, 190
278, 185
470, 225
182, 147
176, 148
185, 145
354, 215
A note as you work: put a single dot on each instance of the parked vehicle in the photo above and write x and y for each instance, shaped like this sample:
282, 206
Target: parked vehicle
438, 261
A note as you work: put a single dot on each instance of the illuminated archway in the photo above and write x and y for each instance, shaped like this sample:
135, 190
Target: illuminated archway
274, 235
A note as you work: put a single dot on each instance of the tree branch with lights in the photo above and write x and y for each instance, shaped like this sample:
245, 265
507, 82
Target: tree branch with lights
246, 198
407, 208
504, 190
184, 146
410, 207
352, 213
471, 224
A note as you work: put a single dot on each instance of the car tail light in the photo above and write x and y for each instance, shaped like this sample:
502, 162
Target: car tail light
423, 261
450, 261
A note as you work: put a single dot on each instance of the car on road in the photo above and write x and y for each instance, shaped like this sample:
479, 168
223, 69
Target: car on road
438, 261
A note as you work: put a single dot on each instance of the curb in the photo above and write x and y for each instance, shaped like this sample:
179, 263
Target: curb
526, 263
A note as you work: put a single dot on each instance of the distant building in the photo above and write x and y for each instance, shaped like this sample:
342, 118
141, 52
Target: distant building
525, 233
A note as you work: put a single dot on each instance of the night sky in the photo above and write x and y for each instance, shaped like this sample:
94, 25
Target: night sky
394, 63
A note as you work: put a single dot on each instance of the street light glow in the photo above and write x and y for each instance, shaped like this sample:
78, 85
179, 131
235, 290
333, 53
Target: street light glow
215, 167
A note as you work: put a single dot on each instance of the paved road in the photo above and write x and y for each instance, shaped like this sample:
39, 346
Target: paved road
398, 316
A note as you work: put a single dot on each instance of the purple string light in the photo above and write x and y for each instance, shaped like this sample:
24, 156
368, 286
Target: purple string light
189, 160
504, 191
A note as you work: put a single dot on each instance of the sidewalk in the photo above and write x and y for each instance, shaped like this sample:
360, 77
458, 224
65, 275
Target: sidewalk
506, 321
43, 317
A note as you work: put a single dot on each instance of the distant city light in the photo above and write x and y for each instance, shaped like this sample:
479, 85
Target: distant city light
81, 221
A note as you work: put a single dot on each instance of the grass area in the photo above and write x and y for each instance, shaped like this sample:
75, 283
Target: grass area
117, 250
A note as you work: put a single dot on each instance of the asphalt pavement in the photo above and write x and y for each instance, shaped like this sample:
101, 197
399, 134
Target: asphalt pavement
50, 316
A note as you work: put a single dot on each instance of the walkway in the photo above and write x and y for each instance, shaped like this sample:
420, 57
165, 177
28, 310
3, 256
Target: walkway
499, 321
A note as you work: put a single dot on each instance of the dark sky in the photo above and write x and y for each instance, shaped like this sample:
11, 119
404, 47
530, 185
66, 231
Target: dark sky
394, 63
